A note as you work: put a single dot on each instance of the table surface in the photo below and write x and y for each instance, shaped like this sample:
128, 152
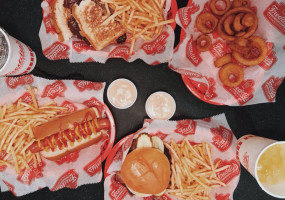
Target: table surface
22, 20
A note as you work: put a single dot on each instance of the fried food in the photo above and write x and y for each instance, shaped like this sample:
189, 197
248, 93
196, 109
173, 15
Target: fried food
249, 31
240, 45
247, 20
231, 74
237, 22
142, 19
217, 11
241, 3
193, 170
256, 54
206, 22
203, 43
223, 60
228, 24
16, 122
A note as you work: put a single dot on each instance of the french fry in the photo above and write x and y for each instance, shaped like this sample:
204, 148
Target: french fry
193, 171
16, 122
142, 19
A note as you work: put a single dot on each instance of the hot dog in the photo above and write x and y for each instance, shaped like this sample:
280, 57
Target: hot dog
69, 133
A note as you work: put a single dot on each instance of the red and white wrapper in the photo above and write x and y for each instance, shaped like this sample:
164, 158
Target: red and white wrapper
215, 131
201, 76
157, 51
248, 149
21, 58
75, 169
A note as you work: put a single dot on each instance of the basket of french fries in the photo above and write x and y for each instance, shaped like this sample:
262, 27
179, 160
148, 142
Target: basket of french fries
32, 102
185, 159
86, 31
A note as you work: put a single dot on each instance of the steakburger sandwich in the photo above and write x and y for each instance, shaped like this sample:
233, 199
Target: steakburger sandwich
146, 169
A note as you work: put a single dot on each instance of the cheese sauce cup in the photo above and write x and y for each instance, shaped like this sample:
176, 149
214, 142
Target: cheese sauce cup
16, 58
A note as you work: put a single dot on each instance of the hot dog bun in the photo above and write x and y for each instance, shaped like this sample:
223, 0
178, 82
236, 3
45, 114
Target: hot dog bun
66, 122
85, 142
146, 171
54, 130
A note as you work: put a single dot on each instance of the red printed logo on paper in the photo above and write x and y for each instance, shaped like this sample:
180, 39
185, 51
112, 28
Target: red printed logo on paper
229, 173
48, 24
10, 187
156, 46
88, 85
26, 176
89, 60
240, 143
93, 102
186, 127
275, 14
243, 93
206, 8
68, 180
119, 155
222, 138
208, 90
2, 156
270, 59
186, 72
222, 196
185, 13
80, 46
120, 52
246, 160
117, 190
70, 106
55, 89
13, 82
57, 51
219, 49
192, 53
159, 134
270, 87
208, 119
26, 98
128, 143
69, 158
93, 167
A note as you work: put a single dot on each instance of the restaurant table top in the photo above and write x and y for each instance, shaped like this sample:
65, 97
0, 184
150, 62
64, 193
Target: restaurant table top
22, 20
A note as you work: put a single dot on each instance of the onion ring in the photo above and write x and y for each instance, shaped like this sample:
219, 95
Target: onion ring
231, 74
240, 45
246, 58
228, 23
237, 22
249, 31
247, 20
240, 34
217, 11
203, 43
206, 22
223, 60
241, 3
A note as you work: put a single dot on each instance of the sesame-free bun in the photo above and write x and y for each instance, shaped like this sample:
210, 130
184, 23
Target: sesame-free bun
146, 170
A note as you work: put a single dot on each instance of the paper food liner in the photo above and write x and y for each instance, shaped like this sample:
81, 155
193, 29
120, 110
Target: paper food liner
201, 76
215, 131
75, 169
157, 51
